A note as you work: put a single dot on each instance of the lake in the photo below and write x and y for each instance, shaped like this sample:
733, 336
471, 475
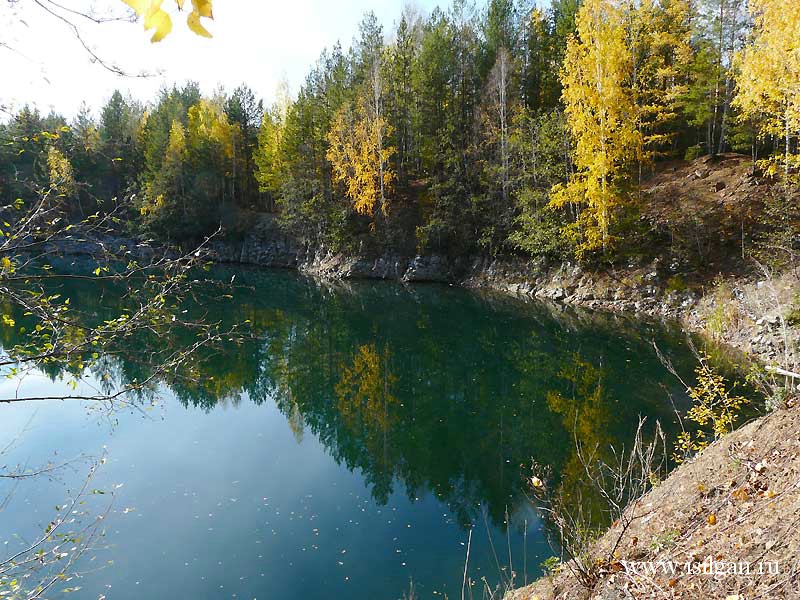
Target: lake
346, 449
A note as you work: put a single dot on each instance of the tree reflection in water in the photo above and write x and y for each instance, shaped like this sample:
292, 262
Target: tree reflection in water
425, 388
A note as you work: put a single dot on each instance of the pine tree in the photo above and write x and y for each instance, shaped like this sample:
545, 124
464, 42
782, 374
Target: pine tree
540, 88
401, 105
500, 31
496, 112
541, 158
118, 145
245, 111
719, 32
211, 142
165, 206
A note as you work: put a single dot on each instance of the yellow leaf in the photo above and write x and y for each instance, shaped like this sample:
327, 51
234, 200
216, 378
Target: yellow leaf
193, 21
159, 20
203, 8
152, 14
741, 495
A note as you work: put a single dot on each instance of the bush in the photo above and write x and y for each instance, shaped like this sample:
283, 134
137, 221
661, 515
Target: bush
725, 315
693, 152
551, 566
714, 411
676, 283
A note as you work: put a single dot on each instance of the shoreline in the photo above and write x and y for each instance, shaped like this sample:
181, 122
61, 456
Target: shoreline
746, 312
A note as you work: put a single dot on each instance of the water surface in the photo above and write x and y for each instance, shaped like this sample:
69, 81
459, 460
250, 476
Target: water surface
347, 449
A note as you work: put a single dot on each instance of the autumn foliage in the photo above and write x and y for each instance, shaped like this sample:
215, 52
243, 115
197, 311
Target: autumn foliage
358, 157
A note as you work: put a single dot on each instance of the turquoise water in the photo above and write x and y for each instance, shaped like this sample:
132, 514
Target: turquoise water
346, 449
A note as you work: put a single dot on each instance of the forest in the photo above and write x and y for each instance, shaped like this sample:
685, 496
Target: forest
502, 129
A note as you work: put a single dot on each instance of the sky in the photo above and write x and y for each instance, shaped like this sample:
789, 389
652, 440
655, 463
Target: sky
255, 42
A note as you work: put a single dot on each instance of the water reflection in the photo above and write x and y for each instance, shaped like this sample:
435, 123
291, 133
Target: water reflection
423, 389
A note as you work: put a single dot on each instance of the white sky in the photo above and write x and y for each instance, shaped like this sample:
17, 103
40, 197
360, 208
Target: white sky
256, 42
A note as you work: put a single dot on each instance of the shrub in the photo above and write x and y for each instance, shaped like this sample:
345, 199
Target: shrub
714, 410
551, 566
676, 283
693, 152
725, 314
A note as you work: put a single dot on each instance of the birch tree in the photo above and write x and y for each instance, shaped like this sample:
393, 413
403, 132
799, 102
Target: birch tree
359, 158
602, 115
768, 76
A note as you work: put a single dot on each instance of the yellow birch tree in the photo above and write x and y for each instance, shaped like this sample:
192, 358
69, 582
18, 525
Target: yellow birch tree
269, 156
768, 75
602, 116
62, 178
358, 157
660, 33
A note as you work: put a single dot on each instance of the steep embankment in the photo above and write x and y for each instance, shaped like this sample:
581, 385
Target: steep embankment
723, 526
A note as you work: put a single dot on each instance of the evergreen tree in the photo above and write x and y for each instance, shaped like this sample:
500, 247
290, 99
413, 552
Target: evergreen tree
245, 111
400, 99
720, 31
